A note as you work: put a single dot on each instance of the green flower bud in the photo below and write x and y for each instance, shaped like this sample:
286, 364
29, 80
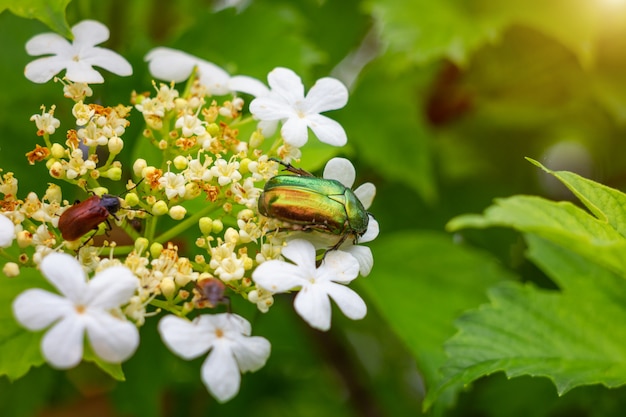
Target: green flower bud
159, 208
155, 250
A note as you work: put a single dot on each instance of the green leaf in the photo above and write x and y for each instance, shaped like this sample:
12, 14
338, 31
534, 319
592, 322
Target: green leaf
420, 283
606, 203
574, 336
113, 369
562, 223
50, 12
19, 348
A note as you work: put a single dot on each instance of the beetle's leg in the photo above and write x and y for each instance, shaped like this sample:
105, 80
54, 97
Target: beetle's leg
87, 241
108, 223
288, 167
336, 246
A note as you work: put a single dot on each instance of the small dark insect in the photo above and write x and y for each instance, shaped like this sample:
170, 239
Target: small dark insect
211, 291
84, 216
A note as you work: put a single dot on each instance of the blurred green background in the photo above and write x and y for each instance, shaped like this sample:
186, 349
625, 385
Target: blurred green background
447, 98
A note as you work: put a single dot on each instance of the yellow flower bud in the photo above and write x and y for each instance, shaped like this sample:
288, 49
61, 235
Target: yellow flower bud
168, 287
206, 225
116, 145
141, 244
178, 212
113, 173
217, 226
53, 193
180, 162
138, 167
131, 199
156, 249
24, 239
231, 236
11, 269
57, 151
159, 208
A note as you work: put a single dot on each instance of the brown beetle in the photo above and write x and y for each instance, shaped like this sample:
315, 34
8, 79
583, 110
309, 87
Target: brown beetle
85, 216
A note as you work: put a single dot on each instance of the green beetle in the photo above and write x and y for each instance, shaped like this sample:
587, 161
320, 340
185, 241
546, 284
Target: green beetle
313, 203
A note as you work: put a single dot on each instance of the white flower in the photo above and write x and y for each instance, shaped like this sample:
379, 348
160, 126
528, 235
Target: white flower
77, 58
254, 87
46, 122
7, 232
286, 102
173, 65
84, 306
174, 185
227, 337
342, 170
316, 285
225, 172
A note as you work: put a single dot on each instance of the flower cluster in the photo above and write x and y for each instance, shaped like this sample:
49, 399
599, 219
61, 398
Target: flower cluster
204, 188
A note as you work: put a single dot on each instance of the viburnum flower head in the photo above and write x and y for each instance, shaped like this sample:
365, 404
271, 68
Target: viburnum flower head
316, 285
286, 102
77, 57
84, 306
227, 339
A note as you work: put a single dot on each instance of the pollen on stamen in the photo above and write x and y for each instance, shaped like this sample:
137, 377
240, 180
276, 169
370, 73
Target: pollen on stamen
80, 309
219, 333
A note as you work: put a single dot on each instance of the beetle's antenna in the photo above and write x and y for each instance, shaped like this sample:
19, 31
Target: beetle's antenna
288, 167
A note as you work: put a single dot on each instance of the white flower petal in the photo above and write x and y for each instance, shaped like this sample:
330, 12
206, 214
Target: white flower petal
338, 266
36, 309
278, 276
248, 85
108, 60
251, 353
214, 78
48, 43
327, 130
286, 83
170, 64
66, 274
327, 94
301, 252
342, 170
62, 345
187, 339
43, 69
295, 132
113, 339
372, 231
313, 305
366, 193
88, 33
220, 373
82, 72
348, 301
232, 322
271, 107
111, 288
268, 127
363, 255
7, 232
